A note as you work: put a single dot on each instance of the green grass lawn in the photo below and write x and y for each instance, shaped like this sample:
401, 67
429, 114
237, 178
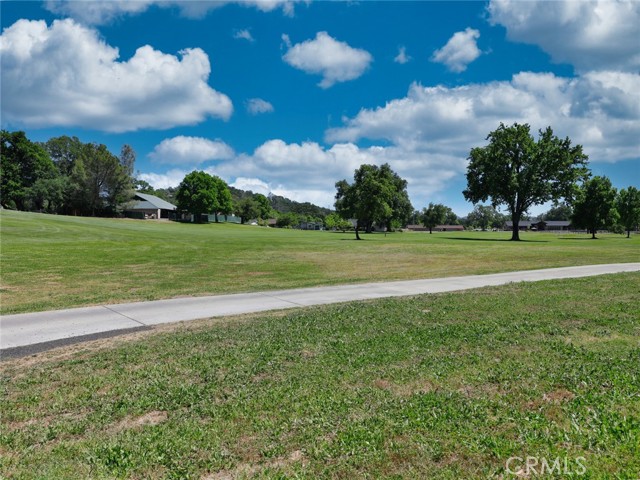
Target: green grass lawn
445, 386
51, 262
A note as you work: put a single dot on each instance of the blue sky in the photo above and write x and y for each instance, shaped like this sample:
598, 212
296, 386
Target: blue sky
289, 97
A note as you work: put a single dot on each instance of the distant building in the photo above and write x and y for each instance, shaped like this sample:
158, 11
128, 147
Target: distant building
150, 207
311, 226
553, 225
523, 225
541, 225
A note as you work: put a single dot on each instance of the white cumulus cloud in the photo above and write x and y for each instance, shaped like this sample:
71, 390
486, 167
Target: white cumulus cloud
307, 172
589, 34
256, 106
336, 61
459, 51
99, 12
192, 151
66, 75
601, 111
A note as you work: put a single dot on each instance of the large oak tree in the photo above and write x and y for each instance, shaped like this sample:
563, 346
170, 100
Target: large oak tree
519, 172
376, 195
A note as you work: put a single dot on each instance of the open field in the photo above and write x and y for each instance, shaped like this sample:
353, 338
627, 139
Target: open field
51, 262
438, 386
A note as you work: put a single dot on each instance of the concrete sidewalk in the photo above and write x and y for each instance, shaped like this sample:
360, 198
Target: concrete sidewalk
35, 328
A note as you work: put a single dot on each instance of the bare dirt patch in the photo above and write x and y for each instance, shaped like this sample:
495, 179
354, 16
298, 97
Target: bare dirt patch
154, 417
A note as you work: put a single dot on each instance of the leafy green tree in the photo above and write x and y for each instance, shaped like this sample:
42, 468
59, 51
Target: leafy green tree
560, 211
224, 201
401, 208
519, 172
247, 209
594, 208
335, 221
288, 220
434, 214
197, 194
484, 216
22, 164
628, 207
264, 206
370, 198
451, 218
143, 186
64, 151
128, 159
103, 180
49, 194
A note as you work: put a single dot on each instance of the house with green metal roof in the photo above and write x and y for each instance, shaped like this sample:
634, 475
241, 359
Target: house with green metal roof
151, 207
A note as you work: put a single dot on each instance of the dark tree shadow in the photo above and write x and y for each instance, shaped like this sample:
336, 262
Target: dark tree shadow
471, 239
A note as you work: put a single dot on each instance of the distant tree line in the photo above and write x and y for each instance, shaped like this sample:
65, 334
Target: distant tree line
514, 171
64, 175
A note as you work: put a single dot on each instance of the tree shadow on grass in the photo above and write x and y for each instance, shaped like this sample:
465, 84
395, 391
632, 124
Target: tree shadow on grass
495, 240
578, 238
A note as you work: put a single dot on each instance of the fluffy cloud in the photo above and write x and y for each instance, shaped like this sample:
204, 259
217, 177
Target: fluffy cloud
428, 135
65, 75
256, 106
460, 50
98, 12
591, 35
335, 61
183, 150
402, 56
599, 110
308, 171
244, 35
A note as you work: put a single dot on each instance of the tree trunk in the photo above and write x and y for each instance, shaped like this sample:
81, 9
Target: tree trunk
628, 233
515, 233
430, 232
357, 235
593, 234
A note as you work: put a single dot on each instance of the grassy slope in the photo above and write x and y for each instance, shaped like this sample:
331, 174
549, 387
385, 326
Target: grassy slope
442, 386
51, 262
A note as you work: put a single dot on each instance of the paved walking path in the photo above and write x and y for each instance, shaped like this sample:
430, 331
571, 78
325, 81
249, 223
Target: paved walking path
35, 328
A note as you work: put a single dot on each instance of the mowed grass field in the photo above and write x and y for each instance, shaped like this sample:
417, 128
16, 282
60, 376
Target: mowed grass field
52, 262
447, 386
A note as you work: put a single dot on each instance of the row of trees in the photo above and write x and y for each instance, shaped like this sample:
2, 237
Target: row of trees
514, 171
64, 175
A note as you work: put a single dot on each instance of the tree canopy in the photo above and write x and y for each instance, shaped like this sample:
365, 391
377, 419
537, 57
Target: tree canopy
560, 211
628, 207
594, 208
197, 194
375, 196
434, 214
22, 164
64, 175
519, 172
484, 216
